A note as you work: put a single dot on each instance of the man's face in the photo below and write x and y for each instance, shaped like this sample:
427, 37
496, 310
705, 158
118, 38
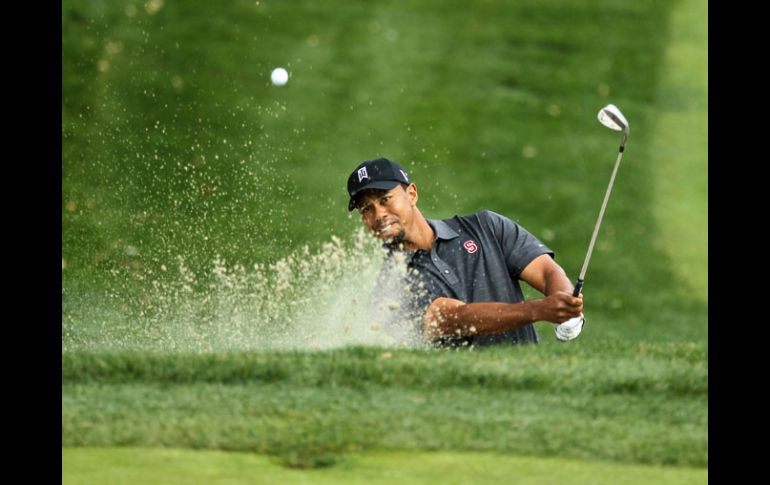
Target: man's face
390, 216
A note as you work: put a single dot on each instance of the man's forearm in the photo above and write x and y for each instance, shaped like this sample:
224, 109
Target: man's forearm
481, 318
556, 280
447, 316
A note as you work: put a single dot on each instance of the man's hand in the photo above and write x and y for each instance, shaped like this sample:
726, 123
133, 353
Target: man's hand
570, 329
560, 307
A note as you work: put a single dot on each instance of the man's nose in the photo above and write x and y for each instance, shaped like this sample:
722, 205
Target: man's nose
380, 211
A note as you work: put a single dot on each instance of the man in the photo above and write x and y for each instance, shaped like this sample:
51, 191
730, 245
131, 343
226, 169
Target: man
456, 282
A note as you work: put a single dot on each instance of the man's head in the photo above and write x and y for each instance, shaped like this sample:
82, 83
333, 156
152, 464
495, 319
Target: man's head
385, 198
380, 173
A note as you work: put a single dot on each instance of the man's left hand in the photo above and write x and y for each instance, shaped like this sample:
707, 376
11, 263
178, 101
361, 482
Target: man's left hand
570, 329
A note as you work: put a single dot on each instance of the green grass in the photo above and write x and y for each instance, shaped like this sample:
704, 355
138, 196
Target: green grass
682, 179
635, 403
173, 466
176, 145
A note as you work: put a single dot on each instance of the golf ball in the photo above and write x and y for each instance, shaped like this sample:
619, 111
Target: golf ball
279, 76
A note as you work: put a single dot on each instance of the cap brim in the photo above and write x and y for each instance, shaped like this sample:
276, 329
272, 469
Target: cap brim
380, 184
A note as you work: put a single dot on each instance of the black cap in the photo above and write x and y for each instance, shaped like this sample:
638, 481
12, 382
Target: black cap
375, 174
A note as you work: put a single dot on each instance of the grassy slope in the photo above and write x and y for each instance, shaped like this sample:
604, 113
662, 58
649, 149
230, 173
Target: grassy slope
132, 465
681, 146
175, 144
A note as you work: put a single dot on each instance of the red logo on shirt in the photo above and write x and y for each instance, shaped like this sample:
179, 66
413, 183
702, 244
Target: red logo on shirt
470, 246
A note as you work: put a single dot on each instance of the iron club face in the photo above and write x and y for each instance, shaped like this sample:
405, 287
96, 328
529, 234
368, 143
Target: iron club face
611, 117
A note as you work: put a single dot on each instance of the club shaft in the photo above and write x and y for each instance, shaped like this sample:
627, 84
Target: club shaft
579, 284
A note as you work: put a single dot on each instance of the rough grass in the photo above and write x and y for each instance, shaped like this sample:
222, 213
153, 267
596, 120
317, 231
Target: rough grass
641, 403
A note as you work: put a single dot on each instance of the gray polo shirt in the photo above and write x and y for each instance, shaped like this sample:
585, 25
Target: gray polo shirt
475, 258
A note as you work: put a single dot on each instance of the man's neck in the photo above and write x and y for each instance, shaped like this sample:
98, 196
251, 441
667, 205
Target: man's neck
423, 236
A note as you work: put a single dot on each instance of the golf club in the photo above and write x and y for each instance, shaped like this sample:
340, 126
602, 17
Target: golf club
611, 117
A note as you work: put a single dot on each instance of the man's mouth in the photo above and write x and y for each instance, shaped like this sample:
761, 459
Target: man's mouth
391, 232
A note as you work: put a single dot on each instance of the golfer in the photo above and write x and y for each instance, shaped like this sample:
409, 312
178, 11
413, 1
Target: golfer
455, 282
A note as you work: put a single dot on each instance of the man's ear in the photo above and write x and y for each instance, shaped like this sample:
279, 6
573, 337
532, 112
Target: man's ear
411, 192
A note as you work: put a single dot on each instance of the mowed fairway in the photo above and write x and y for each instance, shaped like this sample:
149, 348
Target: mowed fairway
118, 466
175, 146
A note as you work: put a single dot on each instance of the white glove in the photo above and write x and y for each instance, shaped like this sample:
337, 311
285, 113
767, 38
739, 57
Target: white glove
569, 329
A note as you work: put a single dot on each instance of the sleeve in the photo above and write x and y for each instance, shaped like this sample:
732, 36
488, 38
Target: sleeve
519, 246
398, 302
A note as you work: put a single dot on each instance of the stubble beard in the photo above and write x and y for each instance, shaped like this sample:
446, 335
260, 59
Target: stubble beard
397, 241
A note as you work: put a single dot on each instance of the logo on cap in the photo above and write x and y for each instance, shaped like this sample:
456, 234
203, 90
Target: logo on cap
362, 174
404, 174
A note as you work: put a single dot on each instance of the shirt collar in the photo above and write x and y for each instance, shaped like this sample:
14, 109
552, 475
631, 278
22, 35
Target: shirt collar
443, 231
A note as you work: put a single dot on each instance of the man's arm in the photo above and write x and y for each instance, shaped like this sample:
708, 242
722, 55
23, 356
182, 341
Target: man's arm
447, 316
546, 276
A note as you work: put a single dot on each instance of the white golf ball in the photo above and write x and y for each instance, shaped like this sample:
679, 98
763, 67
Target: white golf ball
279, 76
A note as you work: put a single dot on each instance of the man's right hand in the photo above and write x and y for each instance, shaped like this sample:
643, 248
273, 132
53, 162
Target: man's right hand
560, 306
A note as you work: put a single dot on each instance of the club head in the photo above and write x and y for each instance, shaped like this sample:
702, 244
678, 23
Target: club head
611, 117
